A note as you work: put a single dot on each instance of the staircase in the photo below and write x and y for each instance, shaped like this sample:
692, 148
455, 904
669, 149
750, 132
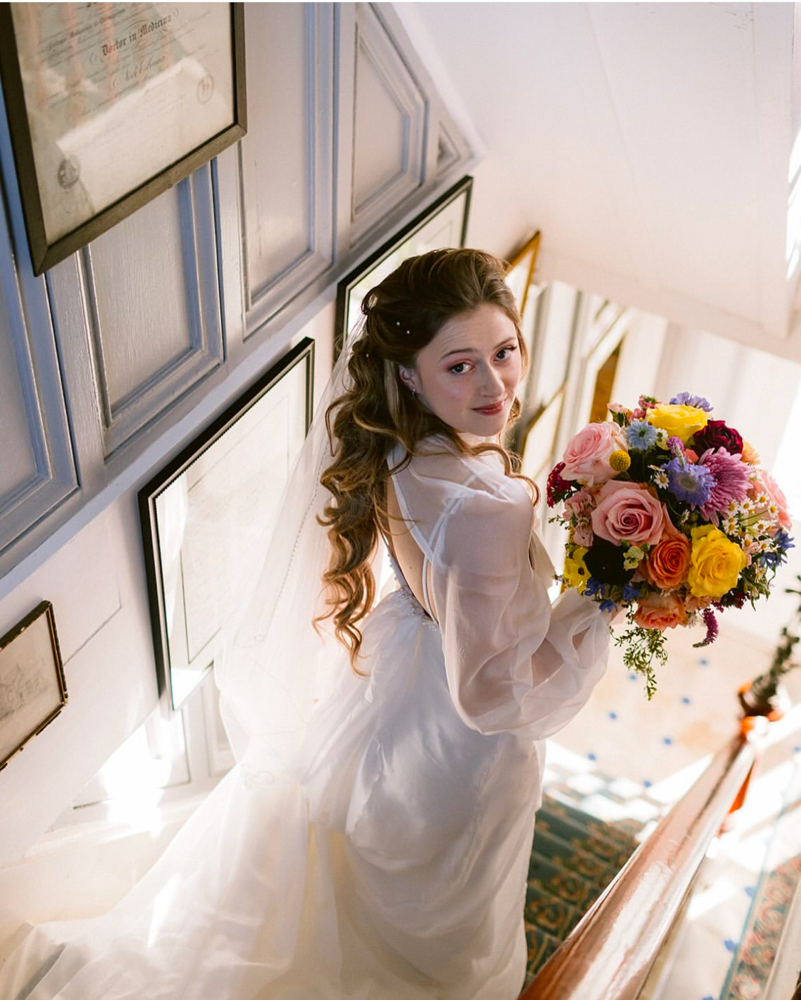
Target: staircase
575, 856
588, 827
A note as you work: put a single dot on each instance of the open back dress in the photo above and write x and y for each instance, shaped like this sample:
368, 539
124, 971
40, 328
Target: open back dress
390, 859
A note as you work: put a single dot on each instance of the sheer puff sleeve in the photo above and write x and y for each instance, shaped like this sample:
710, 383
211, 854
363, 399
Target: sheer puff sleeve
514, 662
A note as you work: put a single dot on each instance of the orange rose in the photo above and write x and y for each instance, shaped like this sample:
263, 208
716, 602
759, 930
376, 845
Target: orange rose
669, 561
660, 611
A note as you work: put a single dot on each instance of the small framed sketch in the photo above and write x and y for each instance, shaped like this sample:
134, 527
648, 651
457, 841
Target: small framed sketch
32, 686
111, 104
207, 515
443, 224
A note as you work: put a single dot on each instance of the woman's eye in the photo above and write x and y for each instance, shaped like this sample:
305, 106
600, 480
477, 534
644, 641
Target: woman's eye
459, 369
506, 352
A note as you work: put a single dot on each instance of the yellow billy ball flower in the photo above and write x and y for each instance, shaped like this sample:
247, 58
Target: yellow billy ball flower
575, 572
715, 563
619, 460
677, 419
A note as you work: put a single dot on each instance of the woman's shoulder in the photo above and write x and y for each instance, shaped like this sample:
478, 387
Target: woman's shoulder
466, 478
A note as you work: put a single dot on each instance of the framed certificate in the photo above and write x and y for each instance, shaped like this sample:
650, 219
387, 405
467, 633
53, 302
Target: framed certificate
109, 105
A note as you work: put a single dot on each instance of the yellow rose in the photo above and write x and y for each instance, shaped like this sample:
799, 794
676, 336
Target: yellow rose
576, 573
715, 563
678, 420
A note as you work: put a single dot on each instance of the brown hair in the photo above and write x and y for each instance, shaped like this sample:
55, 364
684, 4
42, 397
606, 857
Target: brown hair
402, 315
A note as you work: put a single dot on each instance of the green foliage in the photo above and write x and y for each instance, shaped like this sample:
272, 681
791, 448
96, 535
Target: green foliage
641, 646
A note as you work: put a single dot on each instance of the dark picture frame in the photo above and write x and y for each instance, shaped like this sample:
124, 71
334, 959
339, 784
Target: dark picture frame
33, 689
206, 515
156, 81
433, 228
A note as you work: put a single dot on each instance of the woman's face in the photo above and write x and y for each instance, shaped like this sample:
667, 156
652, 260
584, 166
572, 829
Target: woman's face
468, 374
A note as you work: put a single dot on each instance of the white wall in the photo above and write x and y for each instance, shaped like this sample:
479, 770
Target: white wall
752, 390
649, 142
96, 583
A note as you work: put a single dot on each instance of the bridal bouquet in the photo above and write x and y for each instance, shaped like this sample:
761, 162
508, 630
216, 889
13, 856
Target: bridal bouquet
669, 516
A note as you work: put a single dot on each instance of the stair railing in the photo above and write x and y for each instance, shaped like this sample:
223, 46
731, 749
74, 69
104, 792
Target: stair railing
611, 950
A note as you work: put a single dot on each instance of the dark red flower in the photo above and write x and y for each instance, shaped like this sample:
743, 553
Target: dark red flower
717, 435
733, 599
556, 488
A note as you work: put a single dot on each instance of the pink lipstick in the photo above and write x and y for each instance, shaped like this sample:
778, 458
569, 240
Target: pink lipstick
490, 411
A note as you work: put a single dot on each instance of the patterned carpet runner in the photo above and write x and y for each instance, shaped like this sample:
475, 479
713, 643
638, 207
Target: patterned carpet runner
574, 858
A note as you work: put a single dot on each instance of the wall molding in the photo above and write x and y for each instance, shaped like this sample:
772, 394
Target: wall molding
124, 418
296, 273
376, 52
35, 381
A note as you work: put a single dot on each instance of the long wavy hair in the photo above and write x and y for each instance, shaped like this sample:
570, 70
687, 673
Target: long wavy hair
402, 315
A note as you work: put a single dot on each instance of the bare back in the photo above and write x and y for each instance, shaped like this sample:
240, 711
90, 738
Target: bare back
405, 550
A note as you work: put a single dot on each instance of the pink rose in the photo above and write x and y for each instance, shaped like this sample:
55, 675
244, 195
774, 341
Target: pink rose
586, 457
660, 611
628, 512
576, 502
764, 482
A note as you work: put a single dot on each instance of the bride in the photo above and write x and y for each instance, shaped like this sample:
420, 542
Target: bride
373, 840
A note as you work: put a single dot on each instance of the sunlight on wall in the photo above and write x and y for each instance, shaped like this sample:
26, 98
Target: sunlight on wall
131, 783
787, 468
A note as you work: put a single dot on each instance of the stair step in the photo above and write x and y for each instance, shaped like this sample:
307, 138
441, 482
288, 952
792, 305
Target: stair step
585, 836
541, 946
621, 831
573, 859
550, 913
548, 877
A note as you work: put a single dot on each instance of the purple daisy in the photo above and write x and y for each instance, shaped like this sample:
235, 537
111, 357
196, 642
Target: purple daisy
686, 399
730, 478
691, 483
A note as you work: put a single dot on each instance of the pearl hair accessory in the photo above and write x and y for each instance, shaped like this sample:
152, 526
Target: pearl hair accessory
407, 332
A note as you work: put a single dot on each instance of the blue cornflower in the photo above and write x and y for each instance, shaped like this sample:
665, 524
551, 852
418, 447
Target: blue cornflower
772, 559
593, 587
608, 605
685, 399
783, 542
641, 435
691, 483
631, 591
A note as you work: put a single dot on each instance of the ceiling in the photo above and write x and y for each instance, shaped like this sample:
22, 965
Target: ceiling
652, 143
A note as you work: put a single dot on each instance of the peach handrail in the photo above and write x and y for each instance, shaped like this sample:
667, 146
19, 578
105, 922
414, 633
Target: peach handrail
611, 951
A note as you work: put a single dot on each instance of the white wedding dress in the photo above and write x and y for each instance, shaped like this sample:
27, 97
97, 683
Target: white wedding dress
382, 852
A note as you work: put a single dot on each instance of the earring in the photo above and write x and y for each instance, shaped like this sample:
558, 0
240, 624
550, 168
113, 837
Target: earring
412, 390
